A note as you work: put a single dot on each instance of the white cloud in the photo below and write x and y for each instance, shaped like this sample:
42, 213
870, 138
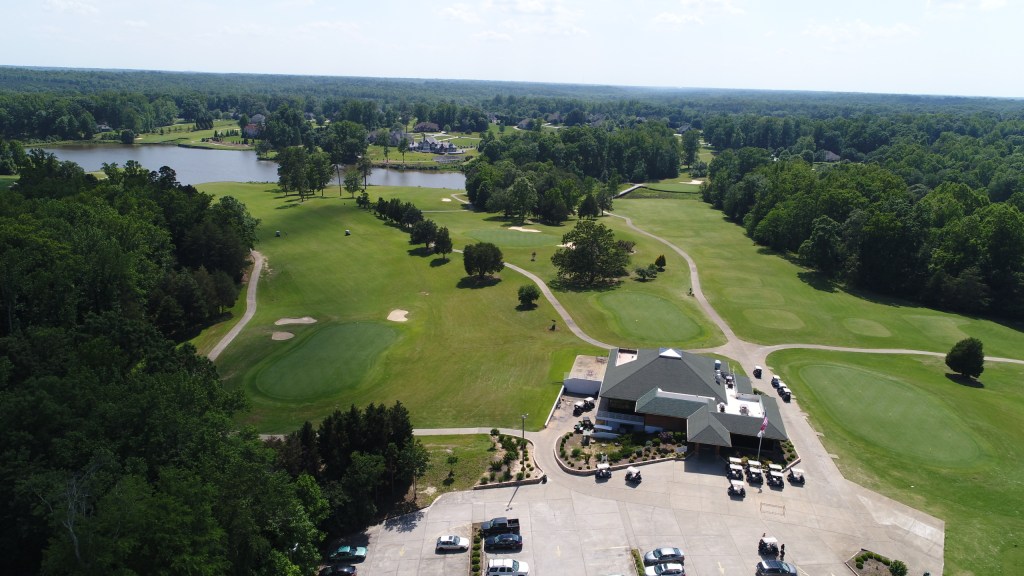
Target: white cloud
76, 6
858, 30
329, 25
136, 23
492, 35
461, 12
673, 19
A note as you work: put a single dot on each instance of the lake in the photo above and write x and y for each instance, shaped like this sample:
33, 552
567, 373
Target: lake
196, 166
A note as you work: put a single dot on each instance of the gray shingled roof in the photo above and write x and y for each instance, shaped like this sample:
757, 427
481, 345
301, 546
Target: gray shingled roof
688, 374
704, 427
657, 401
750, 426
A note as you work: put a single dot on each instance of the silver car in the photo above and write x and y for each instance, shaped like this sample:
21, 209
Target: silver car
663, 555
669, 569
452, 543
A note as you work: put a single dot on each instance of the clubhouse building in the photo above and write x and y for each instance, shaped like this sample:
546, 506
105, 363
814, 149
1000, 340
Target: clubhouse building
672, 390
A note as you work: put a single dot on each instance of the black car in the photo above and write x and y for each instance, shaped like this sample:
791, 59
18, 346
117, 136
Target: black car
775, 568
504, 542
338, 570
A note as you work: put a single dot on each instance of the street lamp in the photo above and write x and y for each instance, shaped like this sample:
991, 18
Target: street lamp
524, 426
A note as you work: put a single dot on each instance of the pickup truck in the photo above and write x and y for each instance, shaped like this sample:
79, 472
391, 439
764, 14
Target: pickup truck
500, 525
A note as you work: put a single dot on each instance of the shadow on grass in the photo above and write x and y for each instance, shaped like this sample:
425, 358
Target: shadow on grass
526, 307
566, 286
474, 282
965, 380
421, 251
817, 280
439, 262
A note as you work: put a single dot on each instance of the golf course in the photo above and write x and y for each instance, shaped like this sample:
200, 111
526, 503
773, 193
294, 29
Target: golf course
465, 355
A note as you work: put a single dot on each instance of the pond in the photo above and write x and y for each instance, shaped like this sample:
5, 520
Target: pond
196, 166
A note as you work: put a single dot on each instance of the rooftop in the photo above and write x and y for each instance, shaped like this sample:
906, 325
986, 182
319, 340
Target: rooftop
589, 368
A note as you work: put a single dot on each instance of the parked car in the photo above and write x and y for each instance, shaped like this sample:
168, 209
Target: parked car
668, 569
452, 543
504, 542
338, 570
775, 568
500, 525
349, 554
663, 555
507, 567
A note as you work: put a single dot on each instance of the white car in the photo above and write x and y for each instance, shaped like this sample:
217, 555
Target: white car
507, 567
452, 543
669, 569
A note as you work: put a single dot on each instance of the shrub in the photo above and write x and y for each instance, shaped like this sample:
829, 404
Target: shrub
860, 565
577, 452
483, 479
898, 568
495, 432
495, 465
506, 476
493, 475
519, 476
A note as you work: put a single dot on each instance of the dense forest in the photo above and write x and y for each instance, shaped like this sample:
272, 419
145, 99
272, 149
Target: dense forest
120, 453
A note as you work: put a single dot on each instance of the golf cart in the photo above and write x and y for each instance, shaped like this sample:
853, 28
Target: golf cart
757, 372
585, 423
775, 479
735, 472
776, 382
588, 403
577, 408
736, 488
768, 546
633, 475
754, 473
604, 471
796, 476
785, 393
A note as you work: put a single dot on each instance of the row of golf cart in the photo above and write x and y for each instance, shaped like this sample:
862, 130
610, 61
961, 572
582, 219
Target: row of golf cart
604, 472
755, 474
582, 406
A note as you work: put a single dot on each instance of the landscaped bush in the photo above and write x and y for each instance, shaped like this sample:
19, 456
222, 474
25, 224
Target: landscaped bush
577, 452
898, 568
506, 476
483, 479
495, 432
638, 561
496, 465
519, 476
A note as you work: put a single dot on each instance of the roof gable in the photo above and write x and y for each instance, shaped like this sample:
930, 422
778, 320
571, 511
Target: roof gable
703, 427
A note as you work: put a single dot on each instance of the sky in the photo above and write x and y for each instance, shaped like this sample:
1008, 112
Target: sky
954, 47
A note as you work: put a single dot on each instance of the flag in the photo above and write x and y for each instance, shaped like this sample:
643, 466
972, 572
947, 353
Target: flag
764, 424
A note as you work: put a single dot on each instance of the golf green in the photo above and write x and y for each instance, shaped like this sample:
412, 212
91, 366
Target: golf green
321, 362
883, 411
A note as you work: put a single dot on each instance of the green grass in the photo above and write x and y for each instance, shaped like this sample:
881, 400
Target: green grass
474, 454
768, 299
185, 134
6, 181
902, 427
466, 357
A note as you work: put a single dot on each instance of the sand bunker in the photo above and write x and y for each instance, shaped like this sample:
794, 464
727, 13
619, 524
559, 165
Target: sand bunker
521, 229
398, 315
692, 182
446, 199
303, 320
282, 336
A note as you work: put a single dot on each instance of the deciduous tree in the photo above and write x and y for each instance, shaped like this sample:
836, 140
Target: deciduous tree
482, 259
967, 358
591, 254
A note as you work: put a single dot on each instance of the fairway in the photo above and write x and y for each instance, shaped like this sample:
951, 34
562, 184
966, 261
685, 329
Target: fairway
322, 362
646, 316
514, 238
900, 426
768, 299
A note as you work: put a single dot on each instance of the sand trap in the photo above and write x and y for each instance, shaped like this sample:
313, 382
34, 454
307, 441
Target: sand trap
692, 182
521, 229
446, 199
303, 320
398, 315
282, 336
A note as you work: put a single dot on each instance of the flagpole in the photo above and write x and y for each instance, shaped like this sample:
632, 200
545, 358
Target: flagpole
760, 437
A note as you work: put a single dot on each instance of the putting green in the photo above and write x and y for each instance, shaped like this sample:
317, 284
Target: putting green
776, 319
754, 295
322, 362
514, 238
648, 318
866, 327
892, 415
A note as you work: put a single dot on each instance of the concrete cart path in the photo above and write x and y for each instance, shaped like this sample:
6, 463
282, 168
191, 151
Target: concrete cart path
250, 308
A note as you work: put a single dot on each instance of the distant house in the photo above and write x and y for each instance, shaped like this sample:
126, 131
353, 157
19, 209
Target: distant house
103, 128
431, 145
668, 389
258, 119
251, 130
831, 156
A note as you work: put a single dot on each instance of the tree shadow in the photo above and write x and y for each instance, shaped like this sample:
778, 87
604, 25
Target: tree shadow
817, 280
439, 262
964, 380
404, 523
567, 286
283, 206
421, 251
474, 282
526, 307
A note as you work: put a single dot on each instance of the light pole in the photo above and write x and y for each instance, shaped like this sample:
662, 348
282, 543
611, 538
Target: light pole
524, 426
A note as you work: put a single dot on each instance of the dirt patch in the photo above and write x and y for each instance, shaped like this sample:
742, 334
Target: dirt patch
282, 336
398, 315
521, 229
303, 320
429, 491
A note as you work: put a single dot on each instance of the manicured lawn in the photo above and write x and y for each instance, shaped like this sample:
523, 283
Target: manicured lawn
184, 134
768, 299
466, 356
902, 427
474, 455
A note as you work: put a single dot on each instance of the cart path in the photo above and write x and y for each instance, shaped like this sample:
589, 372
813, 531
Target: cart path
250, 307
